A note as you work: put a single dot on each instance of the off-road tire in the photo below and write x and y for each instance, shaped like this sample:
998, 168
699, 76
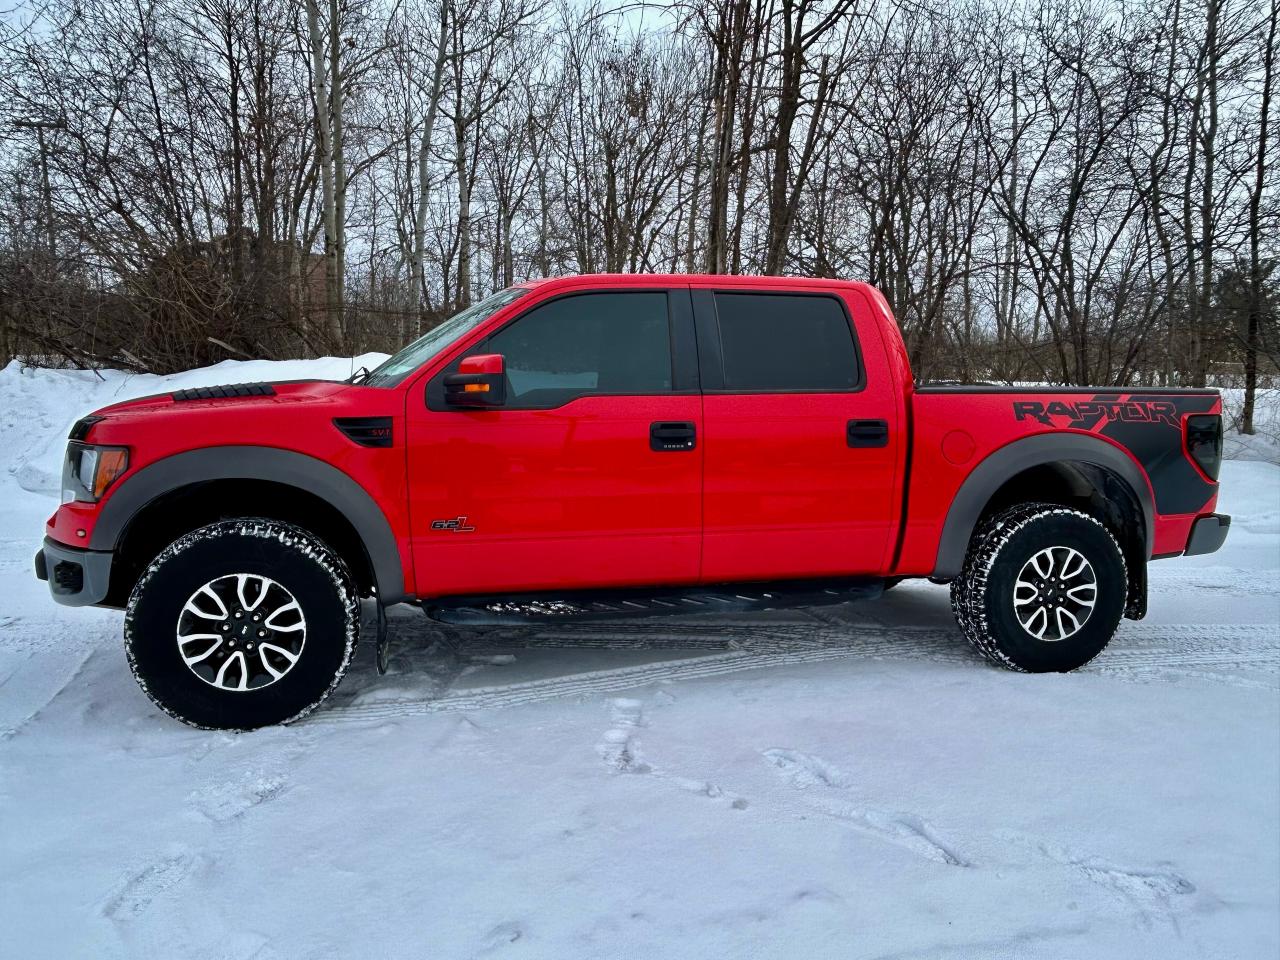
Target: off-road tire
982, 597
289, 556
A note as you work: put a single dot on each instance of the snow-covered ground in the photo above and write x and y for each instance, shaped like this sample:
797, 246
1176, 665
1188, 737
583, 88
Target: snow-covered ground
847, 782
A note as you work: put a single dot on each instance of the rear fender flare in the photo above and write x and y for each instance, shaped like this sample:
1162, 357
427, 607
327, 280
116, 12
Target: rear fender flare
1002, 465
260, 463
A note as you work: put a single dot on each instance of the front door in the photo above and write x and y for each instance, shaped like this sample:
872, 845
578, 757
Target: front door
589, 476
802, 441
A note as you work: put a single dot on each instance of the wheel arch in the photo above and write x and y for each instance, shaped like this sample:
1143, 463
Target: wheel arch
179, 493
1068, 468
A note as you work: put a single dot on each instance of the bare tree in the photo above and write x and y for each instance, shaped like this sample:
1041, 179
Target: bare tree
1076, 192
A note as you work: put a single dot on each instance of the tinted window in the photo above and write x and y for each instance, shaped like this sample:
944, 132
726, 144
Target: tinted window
780, 342
590, 343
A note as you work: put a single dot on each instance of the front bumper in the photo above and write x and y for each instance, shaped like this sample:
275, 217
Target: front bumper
76, 578
1207, 534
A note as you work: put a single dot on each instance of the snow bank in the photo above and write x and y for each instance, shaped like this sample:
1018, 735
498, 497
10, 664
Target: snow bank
38, 405
1264, 443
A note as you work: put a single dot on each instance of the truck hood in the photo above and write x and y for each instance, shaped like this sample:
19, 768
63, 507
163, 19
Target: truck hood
246, 395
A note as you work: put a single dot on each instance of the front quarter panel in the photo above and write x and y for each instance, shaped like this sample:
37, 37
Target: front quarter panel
298, 422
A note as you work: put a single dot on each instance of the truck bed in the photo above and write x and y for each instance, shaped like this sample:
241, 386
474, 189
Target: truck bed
957, 428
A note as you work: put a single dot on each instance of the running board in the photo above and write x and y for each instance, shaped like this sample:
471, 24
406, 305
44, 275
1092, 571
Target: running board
532, 608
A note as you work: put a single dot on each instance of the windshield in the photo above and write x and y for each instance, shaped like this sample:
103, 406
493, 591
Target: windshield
394, 369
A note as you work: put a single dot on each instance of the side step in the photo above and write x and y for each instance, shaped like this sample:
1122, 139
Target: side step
532, 608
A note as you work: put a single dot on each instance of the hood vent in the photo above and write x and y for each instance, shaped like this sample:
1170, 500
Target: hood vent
228, 392
366, 431
82, 427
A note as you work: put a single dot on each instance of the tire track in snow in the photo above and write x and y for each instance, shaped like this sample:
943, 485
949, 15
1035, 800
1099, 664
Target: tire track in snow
65, 672
1141, 653
582, 684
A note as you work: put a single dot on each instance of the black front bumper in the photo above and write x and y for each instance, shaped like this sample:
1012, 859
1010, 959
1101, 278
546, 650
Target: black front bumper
1207, 534
76, 578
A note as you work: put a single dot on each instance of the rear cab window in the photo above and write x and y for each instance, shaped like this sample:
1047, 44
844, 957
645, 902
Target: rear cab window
786, 343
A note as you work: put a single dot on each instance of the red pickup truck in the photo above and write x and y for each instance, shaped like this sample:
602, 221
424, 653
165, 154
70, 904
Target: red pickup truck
603, 446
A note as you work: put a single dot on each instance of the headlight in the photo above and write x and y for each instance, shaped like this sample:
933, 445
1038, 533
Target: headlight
90, 471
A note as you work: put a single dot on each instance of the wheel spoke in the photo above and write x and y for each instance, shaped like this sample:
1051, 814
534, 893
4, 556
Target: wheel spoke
1075, 622
291, 606
1070, 572
1043, 617
207, 591
192, 661
290, 658
1024, 600
221, 679
1045, 557
1093, 594
241, 580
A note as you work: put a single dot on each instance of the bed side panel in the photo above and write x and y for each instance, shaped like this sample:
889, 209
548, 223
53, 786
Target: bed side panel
955, 430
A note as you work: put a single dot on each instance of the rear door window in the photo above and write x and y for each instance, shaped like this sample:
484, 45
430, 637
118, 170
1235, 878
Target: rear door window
781, 343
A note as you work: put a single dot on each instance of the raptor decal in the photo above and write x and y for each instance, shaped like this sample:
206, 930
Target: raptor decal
1149, 426
1131, 411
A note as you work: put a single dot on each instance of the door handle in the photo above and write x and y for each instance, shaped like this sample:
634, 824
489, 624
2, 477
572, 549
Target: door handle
867, 433
671, 435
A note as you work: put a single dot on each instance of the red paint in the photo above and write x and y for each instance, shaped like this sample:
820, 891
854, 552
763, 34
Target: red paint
784, 493
571, 497
482, 363
574, 497
958, 447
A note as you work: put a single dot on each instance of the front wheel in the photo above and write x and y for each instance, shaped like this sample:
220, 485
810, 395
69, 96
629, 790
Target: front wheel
1042, 590
242, 624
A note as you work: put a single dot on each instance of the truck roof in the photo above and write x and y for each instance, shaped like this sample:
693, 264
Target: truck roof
673, 279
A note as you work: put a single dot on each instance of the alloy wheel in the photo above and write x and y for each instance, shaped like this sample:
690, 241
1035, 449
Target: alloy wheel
241, 632
1055, 593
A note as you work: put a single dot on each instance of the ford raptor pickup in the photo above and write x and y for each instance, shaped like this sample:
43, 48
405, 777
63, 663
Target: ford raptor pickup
617, 446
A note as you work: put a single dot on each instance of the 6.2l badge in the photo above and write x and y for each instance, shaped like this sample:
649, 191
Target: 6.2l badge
456, 525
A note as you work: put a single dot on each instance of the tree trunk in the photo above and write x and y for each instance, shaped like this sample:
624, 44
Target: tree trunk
337, 98
464, 213
418, 280
1254, 321
324, 132
1207, 211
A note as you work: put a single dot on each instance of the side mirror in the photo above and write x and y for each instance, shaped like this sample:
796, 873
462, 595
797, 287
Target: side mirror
480, 382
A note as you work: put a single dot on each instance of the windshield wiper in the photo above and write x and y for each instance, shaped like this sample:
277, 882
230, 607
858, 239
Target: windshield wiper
359, 376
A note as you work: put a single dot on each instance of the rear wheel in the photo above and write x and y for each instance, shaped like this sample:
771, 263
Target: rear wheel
242, 624
1042, 590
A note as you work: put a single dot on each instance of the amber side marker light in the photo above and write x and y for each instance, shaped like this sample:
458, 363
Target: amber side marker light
111, 464
91, 470
475, 388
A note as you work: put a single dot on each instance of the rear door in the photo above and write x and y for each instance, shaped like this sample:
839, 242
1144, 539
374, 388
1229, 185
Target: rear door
801, 436
589, 476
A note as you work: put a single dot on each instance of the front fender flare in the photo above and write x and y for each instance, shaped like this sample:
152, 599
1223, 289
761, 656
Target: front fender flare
260, 463
993, 472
